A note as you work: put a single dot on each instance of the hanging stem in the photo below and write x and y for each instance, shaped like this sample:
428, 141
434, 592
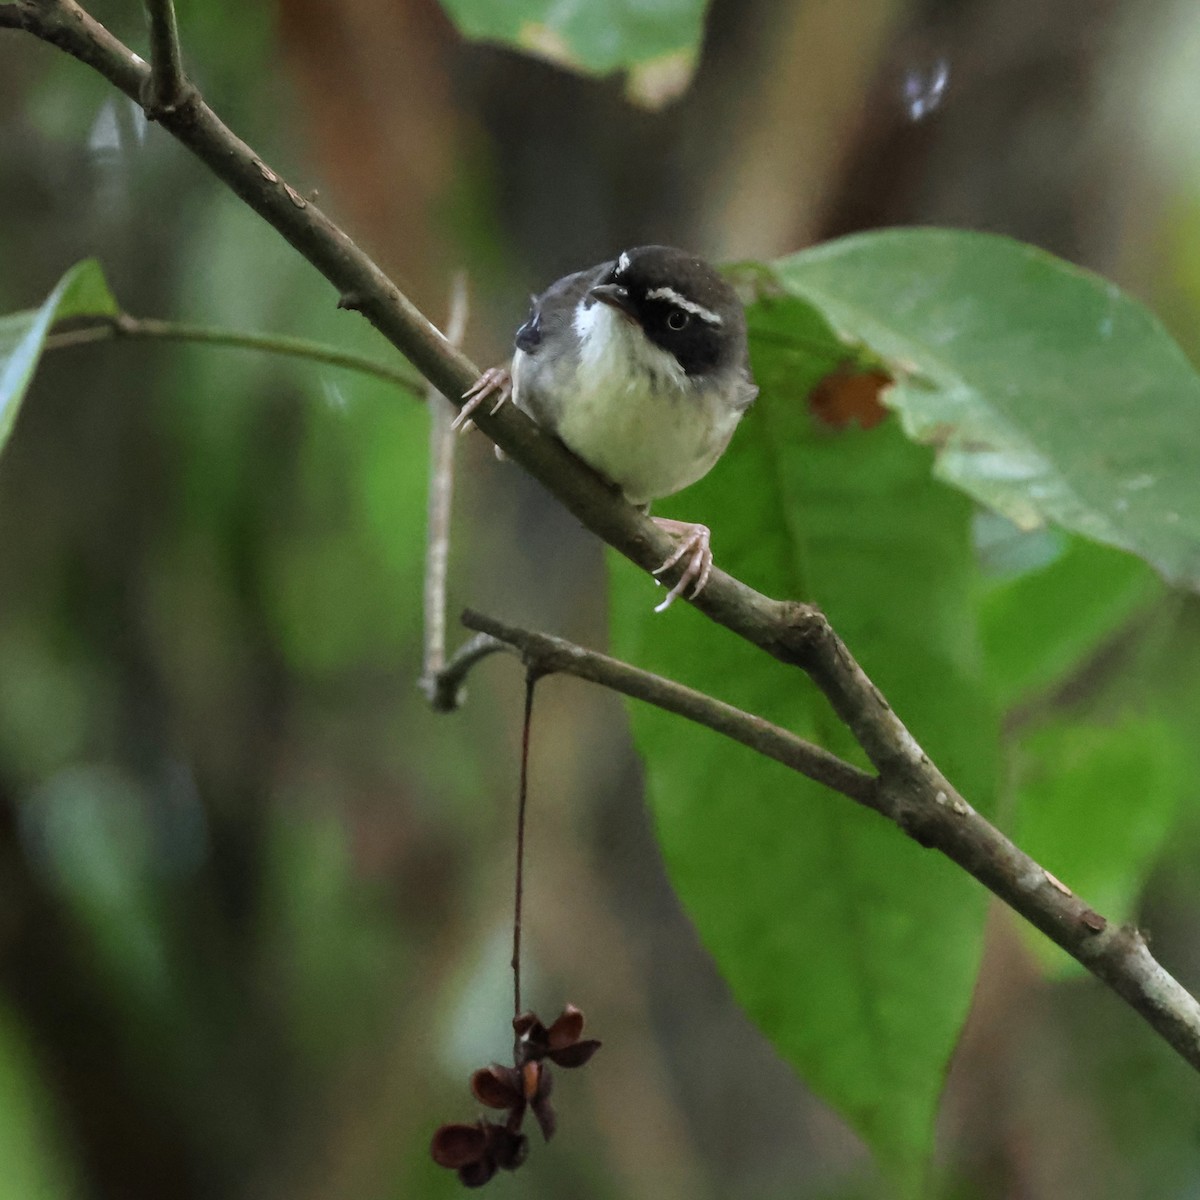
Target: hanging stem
530, 680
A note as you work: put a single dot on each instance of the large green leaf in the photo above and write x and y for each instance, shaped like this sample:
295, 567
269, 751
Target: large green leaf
81, 292
658, 42
1049, 394
1041, 625
853, 949
1100, 784
1095, 804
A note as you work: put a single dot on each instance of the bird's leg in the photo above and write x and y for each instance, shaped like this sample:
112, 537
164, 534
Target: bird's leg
494, 382
694, 548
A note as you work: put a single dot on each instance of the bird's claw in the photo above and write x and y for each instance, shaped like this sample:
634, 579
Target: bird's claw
695, 549
494, 381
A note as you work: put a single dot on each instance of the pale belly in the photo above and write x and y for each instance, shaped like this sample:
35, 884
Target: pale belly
651, 441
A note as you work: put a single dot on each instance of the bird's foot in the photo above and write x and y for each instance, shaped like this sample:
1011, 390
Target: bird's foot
693, 550
494, 382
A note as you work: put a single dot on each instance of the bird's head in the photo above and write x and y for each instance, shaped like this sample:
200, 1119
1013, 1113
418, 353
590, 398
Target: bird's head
667, 307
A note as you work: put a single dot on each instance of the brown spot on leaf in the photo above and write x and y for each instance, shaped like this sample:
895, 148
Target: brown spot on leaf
850, 396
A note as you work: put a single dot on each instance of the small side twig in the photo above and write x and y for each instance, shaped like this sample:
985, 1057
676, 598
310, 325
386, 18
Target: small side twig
108, 329
549, 655
445, 688
167, 86
440, 501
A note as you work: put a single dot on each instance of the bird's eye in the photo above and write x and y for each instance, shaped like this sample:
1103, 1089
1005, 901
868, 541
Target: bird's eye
677, 319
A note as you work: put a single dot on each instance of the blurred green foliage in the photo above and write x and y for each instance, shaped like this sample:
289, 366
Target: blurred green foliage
82, 292
253, 905
601, 36
34, 1162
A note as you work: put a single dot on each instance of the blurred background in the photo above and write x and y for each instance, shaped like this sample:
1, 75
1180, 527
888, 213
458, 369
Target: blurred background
254, 895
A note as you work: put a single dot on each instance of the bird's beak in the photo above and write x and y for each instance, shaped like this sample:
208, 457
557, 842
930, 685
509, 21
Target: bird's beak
616, 297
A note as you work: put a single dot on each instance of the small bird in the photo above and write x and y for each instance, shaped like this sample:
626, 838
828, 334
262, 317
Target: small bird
640, 367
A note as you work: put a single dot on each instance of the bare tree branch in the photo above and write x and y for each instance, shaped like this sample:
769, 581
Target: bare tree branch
363, 287
911, 790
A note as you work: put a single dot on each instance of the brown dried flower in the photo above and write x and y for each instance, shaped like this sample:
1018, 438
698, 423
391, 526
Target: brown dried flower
560, 1043
518, 1088
478, 1151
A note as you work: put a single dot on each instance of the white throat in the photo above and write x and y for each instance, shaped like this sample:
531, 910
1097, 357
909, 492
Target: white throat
615, 354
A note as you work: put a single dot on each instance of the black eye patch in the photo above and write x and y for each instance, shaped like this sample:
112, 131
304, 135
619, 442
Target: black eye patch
694, 342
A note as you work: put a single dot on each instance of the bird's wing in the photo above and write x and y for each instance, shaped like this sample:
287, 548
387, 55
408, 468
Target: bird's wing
551, 313
747, 390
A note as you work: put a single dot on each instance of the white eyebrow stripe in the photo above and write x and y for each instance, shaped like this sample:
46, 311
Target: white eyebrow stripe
623, 263
671, 296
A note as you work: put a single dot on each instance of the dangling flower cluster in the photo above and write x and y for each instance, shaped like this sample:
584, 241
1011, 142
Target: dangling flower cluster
478, 1151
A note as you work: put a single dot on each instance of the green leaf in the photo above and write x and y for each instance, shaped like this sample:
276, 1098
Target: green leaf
1049, 394
1095, 805
1042, 625
81, 292
853, 949
658, 42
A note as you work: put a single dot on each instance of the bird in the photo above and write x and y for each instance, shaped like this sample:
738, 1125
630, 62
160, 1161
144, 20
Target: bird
640, 367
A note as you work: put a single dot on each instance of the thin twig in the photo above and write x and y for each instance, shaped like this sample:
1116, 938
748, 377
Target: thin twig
167, 86
918, 796
531, 678
551, 655
446, 690
441, 497
124, 326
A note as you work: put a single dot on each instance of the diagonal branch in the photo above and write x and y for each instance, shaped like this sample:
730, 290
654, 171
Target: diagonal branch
363, 287
914, 793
